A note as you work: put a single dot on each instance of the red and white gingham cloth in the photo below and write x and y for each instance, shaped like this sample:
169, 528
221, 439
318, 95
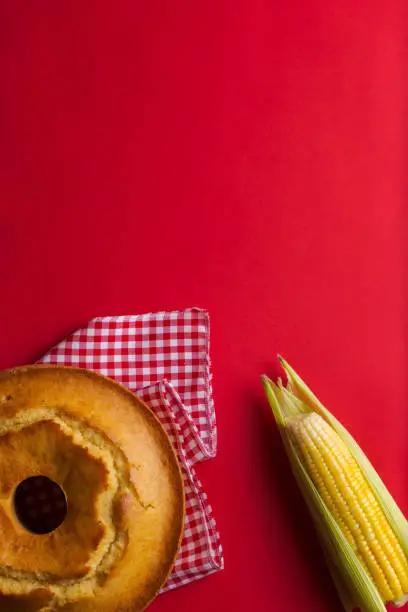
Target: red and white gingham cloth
164, 357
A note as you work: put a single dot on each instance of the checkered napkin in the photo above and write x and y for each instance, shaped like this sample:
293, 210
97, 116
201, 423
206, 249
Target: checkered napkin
164, 357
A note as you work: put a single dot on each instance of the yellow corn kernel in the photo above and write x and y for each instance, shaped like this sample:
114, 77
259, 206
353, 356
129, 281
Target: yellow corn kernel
349, 497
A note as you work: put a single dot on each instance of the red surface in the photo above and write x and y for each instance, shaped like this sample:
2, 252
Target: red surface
246, 157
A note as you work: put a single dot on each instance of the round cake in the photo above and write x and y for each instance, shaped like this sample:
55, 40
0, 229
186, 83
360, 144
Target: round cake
91, 494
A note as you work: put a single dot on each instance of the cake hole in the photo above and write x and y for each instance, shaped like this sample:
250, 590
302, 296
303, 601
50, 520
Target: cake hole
40, 504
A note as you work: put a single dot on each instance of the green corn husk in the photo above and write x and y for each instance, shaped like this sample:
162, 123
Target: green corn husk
354, 585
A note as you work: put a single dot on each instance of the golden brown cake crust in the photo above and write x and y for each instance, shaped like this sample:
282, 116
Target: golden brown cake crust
122, 482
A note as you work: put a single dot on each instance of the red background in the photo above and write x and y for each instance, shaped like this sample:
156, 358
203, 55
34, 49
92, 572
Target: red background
243, 156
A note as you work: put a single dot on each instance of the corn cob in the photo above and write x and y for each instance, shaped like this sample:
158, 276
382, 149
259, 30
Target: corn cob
363, 533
